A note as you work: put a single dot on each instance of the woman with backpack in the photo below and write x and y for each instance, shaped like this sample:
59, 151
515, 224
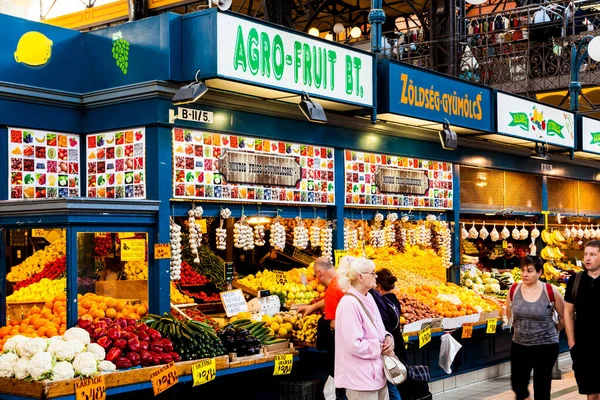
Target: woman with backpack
531, 306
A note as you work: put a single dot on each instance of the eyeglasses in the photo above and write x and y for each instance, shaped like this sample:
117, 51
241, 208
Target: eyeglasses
369, 273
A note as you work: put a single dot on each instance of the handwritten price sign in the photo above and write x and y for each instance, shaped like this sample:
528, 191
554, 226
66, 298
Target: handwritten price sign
283, 364
91, 389
467, 331
280, 277
163, 378
205, 371
162, 250
491, 325
424, 336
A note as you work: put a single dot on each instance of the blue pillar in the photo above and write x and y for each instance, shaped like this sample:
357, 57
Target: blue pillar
72, 273
456, 238
376, 19
3, 257
340, 198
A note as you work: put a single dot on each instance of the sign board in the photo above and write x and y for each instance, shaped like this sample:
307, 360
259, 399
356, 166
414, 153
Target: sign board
417, 183
90, 389
133, 250
262, 169
590, 138
38, 233
404, 181
269, 56
337, 256
204, 371
222, 167
234, 302
533, 121
280, 277
162, 250
492, 323
424, 94
424, 336
163, 378
283, 364
467, 331
190, 114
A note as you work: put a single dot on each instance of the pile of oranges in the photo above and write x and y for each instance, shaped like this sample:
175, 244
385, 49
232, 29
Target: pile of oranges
92, 307
48, 321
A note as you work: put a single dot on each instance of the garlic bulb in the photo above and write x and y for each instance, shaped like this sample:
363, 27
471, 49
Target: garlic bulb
243, 236
523, 233
327, 242
377, 238
445, 250
351, 238
598, 231
430, 218
473, 232
221, 238
378, 217
580, 232
175, 243
505, 232
315, 234
423, 235
535, 233
195, 237
592, 232
464, 232
586, 233
494, 235
225, 213
404, 218
389, 233
300, 234
277, 239
483, 233
515, 233
259, 235
573, 231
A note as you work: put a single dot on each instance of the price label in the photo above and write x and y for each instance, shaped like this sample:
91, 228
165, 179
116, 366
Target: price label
424, 336
162, 250
203, 226
467, 331
491, 325
504, 244
338, 254
90, 389
406, 340
233, 302
204, 371
133, 250
163, 378
280, 277
37, 233
283, 364
579, 263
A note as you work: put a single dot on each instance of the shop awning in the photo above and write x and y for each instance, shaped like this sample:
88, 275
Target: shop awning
250, 57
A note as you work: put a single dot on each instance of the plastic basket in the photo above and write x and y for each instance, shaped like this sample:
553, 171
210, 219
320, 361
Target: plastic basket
301, 390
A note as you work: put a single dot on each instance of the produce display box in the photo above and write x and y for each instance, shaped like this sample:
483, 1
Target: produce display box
16, 311
278, 348
235, 361
240, 362
245, 289
52, 390
123, 289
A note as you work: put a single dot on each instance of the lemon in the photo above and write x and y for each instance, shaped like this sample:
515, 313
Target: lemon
275, 326
282, 332
34, 49
288, 326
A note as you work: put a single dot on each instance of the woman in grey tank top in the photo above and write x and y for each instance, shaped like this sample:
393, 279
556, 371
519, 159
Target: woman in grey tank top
535, 338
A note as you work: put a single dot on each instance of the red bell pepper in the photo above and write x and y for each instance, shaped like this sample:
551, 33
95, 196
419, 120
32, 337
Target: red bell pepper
144, 345
114, 333
154, 334
143, 335
165, 358
175, 356
134, 357
101, 324
156, 346
105, 342
166, 344
123, 362
122, 322
131, 322
113, 354
128, 335
99, 332
141, 327
84, 323
155, 358
134, 344
146, 358
130, 328
120, 343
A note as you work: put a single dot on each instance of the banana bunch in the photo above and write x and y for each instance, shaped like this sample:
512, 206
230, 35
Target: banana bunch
554, 238
306, 329
550, 253
550, 272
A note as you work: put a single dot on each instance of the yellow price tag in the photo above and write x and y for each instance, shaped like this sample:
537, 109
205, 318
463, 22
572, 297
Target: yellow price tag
338, 254
38, 233
406, 340
491, 325
283, 364
424, 336
467, 331
280, 277
133, 250
203, 226
91, 389
204, 371
163, 378
162, 250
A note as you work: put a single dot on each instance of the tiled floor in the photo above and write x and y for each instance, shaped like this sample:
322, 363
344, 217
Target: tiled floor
499, 388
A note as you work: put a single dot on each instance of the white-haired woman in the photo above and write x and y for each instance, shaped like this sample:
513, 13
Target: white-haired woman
360, 337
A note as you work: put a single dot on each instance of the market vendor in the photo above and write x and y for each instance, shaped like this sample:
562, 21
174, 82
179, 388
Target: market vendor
509, 261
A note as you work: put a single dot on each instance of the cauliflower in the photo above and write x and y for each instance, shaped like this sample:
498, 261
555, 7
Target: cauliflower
62, 350
32, 346
106, 366
40, 365
62, 370
97, 351
12, 343
7, 365
77, 333
22, 368
85, 364
77, 345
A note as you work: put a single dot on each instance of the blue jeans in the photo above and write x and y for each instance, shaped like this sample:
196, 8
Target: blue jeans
394, 393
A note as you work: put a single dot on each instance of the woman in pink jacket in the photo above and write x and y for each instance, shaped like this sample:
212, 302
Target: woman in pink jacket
360, 339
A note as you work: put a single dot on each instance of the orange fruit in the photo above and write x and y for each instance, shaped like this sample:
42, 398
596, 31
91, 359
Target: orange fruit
126, 312
141, 310
81, 311
60, 297
134, 316
111, 313
49, 304
42, 331
51, 332
120, 305
35, 310
86, 303
4, 331
110, 302
99, 314
56, 321
29, 330
40, 322
102, 306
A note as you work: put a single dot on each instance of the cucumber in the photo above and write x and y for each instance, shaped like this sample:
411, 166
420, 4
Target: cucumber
274, 341
257, 327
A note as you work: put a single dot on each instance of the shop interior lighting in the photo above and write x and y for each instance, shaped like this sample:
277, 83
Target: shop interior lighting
338, 28
312, 110
329, 36
355, 32
222, 5
190, 93
256, 220
540, 152
314, 32
448, 137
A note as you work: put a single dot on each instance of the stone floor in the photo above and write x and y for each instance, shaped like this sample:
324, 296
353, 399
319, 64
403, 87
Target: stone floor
499, 388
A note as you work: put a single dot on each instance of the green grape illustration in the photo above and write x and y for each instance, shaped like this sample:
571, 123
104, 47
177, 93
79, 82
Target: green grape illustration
120, 52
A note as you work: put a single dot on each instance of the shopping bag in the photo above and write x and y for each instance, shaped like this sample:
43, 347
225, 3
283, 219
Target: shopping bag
448, 351
329, 390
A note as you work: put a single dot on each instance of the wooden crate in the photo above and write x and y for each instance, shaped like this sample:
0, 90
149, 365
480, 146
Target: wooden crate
17, 311
279, 348
245, 289
123, 289
235, 361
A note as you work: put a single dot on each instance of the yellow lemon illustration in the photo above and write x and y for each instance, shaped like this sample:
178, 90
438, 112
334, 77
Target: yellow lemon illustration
34, 49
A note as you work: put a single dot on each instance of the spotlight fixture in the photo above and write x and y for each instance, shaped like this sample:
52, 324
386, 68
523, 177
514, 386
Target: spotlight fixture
312, 110
355, 32
314, 32
448, 137
329, 36
540, 152
190, 93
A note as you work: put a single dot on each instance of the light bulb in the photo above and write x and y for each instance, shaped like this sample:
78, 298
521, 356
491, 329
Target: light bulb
594, 49
355, 32
338, 28
329, 36
313, 32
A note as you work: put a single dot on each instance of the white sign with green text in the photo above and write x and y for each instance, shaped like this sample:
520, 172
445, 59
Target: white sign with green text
260, 54
591, 135
534, 121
